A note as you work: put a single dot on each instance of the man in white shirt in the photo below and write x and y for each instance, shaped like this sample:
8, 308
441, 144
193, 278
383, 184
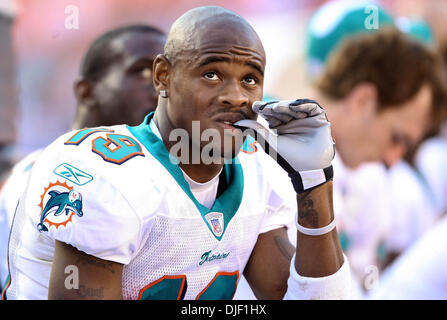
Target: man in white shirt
368, 117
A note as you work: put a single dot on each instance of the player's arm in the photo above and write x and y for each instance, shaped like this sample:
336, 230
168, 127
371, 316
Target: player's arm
304, 149
316, 256
267, 269
76, 275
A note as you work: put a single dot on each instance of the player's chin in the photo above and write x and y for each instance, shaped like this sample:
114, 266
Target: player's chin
218, 153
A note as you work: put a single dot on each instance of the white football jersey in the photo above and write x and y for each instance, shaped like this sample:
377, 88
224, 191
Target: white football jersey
414, 209
430, 161
361, 205
10, 194
115, 194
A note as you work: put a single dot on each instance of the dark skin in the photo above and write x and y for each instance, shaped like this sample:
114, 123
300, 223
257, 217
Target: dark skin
95, 276
125, 93
212, 93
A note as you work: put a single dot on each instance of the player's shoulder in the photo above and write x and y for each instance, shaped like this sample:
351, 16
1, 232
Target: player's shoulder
430, 155
94, 160
25, 164
21, 171
98, 149
95, 190
83, 142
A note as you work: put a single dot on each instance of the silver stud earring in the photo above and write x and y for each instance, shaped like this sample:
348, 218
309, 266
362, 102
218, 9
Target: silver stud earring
164, 93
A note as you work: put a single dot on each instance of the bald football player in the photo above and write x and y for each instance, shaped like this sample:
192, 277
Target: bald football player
149, 222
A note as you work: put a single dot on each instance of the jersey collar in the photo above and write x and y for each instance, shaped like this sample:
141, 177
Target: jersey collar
227, 203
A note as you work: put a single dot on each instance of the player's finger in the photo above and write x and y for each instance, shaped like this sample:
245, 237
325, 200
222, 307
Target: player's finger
273, 118
310, 107
279, 111
273, 122
302, 126
259, 105
284, 107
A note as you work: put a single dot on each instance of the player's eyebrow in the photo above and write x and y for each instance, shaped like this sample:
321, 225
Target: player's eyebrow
215, 59
255, 66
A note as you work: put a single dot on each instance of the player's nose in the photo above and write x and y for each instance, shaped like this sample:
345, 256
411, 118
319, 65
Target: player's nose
232, 95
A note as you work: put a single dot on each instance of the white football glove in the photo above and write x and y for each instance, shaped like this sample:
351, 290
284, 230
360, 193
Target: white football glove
303, 145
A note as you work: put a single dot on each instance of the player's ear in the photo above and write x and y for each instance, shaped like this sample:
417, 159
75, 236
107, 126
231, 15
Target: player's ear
83, 90
363, 99
161, 73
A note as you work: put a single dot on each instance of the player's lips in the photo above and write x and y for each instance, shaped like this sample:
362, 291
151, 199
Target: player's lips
226, 120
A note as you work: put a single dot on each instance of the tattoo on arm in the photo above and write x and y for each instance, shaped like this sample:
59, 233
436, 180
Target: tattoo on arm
100, 264
306, 211
85, 292
285, 247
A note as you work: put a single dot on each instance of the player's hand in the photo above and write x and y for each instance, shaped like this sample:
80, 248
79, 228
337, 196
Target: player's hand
303, 145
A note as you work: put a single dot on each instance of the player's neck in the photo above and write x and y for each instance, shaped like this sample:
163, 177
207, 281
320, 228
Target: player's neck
79, 119
85, 119
199, 172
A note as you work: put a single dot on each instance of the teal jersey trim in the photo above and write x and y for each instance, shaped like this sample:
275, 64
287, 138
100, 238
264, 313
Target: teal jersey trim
227, 203
5, 287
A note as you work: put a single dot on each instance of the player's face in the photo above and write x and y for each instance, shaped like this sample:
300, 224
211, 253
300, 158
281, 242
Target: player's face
404, 125
217, 85
126, 93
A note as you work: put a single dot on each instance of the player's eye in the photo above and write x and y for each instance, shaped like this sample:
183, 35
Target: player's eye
250, 80
211, 76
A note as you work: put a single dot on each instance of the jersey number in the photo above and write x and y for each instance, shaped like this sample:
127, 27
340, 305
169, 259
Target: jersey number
114, 148
222, 287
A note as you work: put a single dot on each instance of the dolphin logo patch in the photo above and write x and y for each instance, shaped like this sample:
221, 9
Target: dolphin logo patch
59, 203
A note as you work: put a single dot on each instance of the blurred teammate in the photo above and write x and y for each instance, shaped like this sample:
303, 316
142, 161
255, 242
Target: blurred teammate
419, 273
384, 100
414, 207
431, 157
147, 223
366, 222
115, 86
